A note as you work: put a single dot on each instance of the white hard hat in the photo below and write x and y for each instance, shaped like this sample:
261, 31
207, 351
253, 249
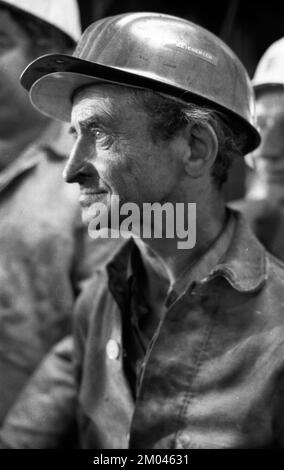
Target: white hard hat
155, 51
61, 14
270, 70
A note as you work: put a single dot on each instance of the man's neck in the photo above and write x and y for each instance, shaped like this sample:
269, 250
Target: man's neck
166, 250
165, 263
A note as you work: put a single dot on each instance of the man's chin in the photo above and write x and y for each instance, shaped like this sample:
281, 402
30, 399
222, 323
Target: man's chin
91, 215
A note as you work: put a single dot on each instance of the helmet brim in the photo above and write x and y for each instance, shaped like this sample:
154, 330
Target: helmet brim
53, 79
260, 88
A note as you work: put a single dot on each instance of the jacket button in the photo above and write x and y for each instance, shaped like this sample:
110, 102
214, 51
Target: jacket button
113, 349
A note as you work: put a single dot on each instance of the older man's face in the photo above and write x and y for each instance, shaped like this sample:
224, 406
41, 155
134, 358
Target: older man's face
269, 157
114, 152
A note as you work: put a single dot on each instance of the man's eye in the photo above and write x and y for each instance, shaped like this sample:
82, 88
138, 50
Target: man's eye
103, 138
98, 133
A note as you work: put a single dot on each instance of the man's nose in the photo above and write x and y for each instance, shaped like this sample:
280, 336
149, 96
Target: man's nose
78, 165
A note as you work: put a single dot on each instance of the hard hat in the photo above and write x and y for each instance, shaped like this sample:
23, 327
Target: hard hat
147, 50
61, 14
270, 70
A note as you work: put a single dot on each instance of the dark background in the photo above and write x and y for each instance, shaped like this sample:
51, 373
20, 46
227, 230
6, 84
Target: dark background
247, 26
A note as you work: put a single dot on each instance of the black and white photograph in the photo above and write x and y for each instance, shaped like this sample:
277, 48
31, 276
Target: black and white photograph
141, 230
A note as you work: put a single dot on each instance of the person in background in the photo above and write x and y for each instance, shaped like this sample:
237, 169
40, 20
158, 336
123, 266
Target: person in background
174, 348
263, 204
45, 254
44, 414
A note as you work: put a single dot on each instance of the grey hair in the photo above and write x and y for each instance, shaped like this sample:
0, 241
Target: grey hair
169, 115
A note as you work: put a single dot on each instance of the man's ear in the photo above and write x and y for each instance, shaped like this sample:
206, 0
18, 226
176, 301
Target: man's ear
203, 144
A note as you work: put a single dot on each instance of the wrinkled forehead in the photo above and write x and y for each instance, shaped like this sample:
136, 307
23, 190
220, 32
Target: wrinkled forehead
100, 99
112, 99
101, 91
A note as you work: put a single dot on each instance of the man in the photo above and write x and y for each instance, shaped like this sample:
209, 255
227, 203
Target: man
42, 247
263, 203
174, 348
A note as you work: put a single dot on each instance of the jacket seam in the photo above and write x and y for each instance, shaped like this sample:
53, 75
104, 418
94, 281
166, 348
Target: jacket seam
208, 329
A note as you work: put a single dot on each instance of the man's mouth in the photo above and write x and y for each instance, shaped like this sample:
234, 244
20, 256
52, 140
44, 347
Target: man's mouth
89, 197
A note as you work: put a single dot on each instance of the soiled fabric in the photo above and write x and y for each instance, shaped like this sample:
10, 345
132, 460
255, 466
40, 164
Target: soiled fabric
212, 376
139, 318
44, 415
43, 259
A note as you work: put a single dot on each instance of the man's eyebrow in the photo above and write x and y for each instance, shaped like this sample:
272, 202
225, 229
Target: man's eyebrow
93, 121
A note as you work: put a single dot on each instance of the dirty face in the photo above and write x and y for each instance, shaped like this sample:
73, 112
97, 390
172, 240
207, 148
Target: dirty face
115, 153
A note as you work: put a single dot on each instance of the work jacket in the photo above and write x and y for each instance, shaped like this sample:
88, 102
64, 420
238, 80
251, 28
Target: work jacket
213, 374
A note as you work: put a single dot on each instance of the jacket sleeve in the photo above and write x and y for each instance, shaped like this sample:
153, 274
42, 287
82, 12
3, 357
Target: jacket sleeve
44, 416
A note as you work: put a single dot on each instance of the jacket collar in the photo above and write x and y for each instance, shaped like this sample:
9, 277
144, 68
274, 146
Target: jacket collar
243, 265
